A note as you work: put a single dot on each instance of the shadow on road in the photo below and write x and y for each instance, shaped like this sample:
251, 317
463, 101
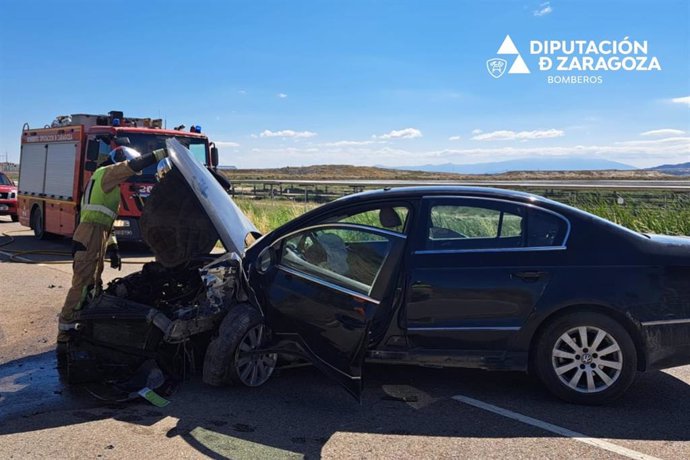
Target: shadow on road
299, 410
55, 248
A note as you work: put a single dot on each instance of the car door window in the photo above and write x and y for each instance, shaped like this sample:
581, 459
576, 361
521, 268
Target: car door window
386, 217
346, 257
467, 226
474, 224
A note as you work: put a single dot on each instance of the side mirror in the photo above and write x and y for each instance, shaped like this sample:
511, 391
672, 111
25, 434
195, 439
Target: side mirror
92, 150
214, 156
91, 166
266, 260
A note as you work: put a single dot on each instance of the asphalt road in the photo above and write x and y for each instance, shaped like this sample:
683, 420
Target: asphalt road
405, 412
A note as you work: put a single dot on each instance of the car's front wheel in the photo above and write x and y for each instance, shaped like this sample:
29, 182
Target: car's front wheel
231, 358
586, 358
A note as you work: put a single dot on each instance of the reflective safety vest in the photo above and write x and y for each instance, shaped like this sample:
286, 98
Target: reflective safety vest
98, 206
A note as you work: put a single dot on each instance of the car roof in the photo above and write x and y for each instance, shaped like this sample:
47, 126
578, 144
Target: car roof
427, 190
417, 192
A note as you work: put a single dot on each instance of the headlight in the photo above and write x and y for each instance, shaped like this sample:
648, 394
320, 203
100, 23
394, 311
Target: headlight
121, 223
12, 195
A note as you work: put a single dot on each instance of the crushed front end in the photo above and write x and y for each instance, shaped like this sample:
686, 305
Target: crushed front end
168, 311
163, 314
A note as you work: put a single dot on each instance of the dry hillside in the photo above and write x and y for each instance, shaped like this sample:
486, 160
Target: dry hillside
349, 172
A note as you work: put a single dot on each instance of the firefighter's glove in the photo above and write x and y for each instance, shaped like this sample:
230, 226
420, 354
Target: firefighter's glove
159, 154
113, 253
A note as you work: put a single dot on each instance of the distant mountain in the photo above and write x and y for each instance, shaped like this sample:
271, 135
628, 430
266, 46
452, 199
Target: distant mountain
524, 164
352, 173
680, 169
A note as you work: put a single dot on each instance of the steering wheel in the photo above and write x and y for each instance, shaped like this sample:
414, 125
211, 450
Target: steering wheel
315, 247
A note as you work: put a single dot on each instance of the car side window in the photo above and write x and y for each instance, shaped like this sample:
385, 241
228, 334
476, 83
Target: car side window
545, 229
348, 258
467, 224
391, 218
470, 226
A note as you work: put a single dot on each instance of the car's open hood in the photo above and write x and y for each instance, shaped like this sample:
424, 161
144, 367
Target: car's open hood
232, 225
188, 211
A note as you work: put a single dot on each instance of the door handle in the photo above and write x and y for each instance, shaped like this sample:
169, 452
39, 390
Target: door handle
528, 276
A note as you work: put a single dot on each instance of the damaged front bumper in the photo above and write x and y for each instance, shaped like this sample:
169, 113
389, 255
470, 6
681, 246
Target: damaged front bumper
167, 315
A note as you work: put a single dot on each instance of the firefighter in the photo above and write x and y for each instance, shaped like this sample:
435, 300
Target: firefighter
93, 239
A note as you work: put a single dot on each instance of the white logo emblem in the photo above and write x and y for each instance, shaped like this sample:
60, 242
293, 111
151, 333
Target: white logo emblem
496, 66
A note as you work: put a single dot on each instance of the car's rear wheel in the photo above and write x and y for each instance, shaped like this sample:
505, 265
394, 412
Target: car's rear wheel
586, 358
230, 357
37, 224
15, 218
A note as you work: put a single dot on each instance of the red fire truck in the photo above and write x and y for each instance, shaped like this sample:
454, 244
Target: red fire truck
57, 161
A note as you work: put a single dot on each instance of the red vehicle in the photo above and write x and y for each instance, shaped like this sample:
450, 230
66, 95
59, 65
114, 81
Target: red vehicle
8, 197
56, 163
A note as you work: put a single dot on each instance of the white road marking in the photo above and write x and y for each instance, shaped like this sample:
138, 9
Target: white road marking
556, 429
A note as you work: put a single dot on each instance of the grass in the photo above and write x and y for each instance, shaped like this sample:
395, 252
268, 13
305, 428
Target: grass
267, 215
672, 219
661, 213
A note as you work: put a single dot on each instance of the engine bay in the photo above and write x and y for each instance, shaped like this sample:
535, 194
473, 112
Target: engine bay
161, 314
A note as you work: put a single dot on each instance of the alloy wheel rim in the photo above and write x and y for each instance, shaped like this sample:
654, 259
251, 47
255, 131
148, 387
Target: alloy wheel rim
254, 369
587, 359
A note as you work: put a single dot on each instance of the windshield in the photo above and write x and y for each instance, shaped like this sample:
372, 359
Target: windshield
4, 180
146, 143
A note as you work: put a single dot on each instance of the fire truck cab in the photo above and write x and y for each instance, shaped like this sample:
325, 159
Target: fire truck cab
57, 161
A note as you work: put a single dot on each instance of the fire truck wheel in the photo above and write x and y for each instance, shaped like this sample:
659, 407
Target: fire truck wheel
37, 224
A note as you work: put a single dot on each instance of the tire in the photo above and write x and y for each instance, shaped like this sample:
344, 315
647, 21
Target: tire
581, 374
241, 330
37, 224
15, 218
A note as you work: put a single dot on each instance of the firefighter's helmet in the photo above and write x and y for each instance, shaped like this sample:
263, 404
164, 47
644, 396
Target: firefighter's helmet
123, 154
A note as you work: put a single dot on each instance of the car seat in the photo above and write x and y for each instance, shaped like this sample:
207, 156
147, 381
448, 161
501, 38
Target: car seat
389, 218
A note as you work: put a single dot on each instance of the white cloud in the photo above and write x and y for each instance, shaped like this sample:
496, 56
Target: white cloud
505, 135
348, 143
643, 153
454, 138
640, 153
682, 100
477, 131
663, 132
680, 143
287, 133
226, 144
543, 10
281, 95
241, 92
407, 133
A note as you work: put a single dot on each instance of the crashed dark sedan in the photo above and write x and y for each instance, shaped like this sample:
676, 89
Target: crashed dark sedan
431, 276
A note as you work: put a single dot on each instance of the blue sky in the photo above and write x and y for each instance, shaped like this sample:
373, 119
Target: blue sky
360, 82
